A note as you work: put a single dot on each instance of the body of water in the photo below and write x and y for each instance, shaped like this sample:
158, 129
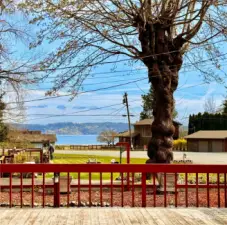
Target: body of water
77, 140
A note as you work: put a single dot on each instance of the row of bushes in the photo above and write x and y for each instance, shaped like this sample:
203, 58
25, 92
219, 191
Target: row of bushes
180, 144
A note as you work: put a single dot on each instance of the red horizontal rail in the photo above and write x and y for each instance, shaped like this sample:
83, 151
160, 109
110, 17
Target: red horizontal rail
124, 183
108, 168
114, 186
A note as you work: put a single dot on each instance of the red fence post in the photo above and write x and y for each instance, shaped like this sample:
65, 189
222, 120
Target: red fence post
56, 190
144, 194
57, 169
128, 148
41, 156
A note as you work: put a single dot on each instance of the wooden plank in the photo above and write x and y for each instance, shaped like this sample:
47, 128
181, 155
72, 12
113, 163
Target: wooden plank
140, 216
148, 217
186, 214
201, 218
107, 215
116, 218
152, 212
180, 216
73, 216
217, 216
103, 216
221, 214
63, 216
166, 216
4, 212
110, 214
124, 215
41, 219
9, 216
94, 216
21, 217
80, 216
53, 216
34, 215
130, 212
85, 217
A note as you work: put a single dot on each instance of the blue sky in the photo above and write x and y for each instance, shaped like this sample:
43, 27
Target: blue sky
190, 96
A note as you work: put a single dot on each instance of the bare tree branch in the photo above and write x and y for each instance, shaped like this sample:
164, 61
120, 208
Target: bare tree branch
158, 33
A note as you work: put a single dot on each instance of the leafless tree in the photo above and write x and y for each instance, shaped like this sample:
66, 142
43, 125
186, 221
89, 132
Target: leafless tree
107, 136
14, 70
210, 105
157, 33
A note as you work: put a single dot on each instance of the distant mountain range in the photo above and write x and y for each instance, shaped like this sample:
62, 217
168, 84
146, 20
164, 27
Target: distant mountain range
74, 128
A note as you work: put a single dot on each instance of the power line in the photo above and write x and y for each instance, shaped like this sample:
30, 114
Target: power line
90, 115
52, 97
108, 106
118, 110
121, 60
84, 92
87, 110
195, 85
108, 72
52, 115
105, 82
37, 89
98, 89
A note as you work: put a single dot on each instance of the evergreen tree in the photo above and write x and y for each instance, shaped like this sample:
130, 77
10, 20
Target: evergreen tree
207, 121
224, 106
148, 105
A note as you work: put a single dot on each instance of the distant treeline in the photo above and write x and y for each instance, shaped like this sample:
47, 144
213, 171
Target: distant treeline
207, 121
69, 128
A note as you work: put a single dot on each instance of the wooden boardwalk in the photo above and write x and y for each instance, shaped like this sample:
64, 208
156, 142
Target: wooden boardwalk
112, 216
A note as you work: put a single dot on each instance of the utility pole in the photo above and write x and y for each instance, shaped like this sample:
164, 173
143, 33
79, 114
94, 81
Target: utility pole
125, 101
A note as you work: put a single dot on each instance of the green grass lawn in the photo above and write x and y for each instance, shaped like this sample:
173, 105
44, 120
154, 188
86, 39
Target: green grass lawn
82, 159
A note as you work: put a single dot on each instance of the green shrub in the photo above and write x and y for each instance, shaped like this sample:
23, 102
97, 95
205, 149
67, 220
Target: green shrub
180, 144
21, 158
36, 159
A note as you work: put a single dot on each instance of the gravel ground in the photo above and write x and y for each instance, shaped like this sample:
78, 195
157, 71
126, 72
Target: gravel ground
127, 198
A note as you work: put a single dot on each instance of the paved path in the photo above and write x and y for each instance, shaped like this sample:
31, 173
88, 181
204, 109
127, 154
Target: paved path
112, 216
197, 157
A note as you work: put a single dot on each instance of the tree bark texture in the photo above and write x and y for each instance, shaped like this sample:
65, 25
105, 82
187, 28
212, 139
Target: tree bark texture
163, 67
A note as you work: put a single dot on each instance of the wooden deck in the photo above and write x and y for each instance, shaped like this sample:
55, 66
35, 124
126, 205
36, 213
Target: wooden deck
113, 216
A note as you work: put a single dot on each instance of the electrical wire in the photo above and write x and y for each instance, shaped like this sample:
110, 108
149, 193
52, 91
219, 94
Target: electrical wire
123, 60
38, 89
67, 95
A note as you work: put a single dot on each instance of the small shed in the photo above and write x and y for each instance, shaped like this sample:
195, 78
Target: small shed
125, 137
207, 141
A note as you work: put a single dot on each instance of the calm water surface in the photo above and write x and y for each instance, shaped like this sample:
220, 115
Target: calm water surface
77, 140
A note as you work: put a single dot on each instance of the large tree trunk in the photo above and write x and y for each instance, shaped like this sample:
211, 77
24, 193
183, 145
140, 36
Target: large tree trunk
163, 58
164, 82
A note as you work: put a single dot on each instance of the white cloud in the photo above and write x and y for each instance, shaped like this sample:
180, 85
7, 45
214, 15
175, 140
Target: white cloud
186, 106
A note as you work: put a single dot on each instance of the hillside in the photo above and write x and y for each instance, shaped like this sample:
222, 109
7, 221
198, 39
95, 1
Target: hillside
74, 128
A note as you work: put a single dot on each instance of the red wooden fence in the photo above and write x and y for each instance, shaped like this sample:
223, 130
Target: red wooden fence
116, 193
